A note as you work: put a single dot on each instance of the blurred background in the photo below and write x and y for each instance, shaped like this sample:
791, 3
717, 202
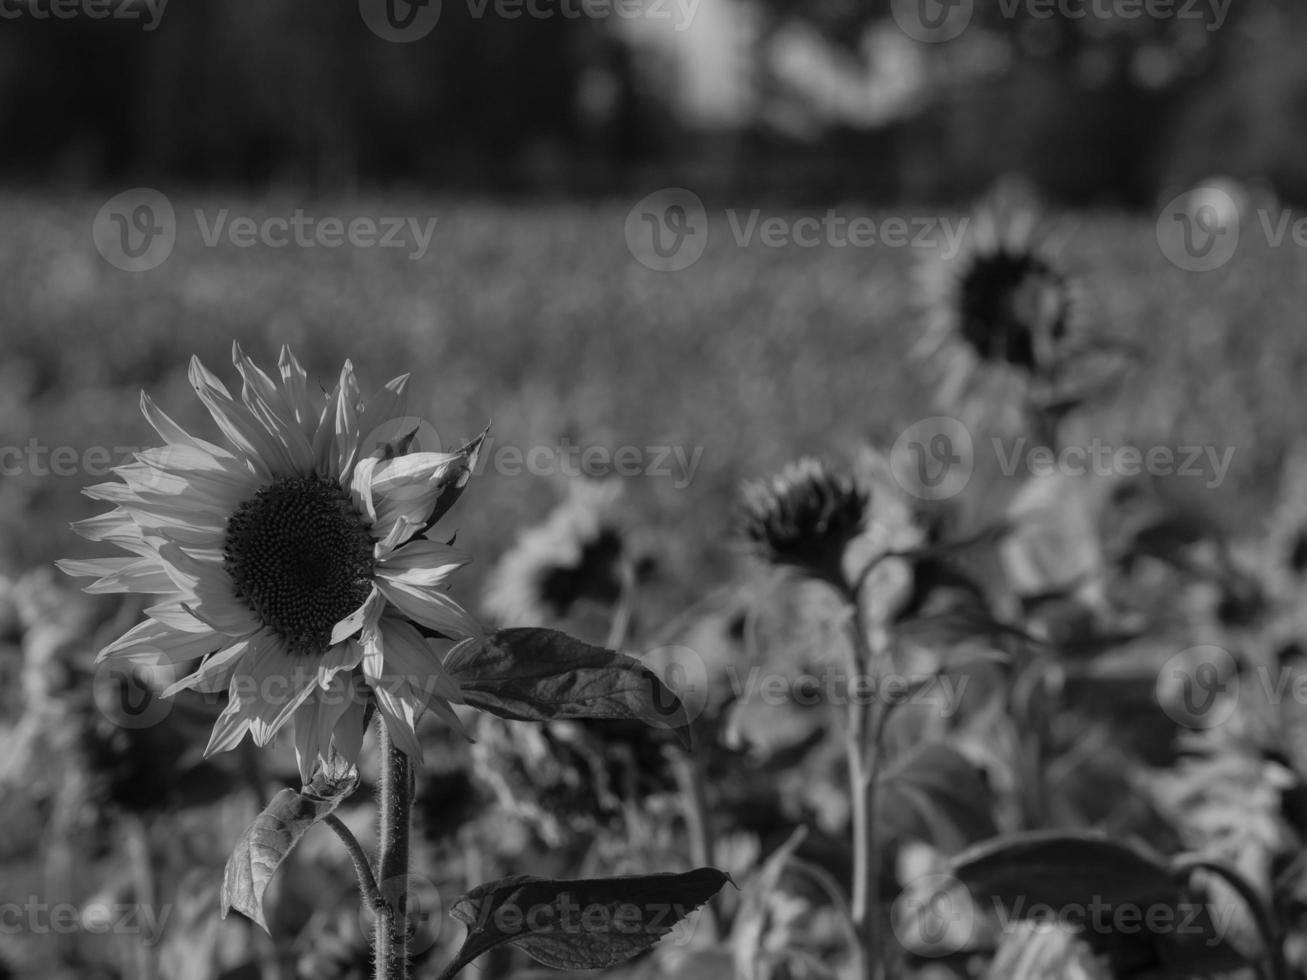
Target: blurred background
509, 145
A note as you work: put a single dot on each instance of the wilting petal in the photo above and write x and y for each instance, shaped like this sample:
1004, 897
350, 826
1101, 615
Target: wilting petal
316, 722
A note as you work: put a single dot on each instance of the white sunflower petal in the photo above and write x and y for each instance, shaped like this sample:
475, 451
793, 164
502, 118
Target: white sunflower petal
431, 607
155, 642
422, 563
214, 674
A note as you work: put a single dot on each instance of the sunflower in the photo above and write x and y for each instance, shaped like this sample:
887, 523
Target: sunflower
805, 517
576, 553
1001, 314
291, 568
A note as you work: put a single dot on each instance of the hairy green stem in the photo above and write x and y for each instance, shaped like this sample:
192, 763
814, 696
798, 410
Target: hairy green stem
864, 770
395, 798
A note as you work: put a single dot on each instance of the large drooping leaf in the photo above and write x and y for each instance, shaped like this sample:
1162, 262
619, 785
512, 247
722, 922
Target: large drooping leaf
579, 925
545, 675
1127, 903
273, 835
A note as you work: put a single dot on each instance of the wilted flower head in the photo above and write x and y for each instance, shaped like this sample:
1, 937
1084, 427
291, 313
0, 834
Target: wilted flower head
805, 517
1000, 312
575, 553
292, 565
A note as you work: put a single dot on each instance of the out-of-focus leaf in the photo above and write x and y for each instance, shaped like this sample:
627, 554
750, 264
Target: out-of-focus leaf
544, 675
1125, 902
273, 835
935, 794
579, 925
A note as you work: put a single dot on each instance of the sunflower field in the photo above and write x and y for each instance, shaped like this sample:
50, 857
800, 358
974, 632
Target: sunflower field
541, 598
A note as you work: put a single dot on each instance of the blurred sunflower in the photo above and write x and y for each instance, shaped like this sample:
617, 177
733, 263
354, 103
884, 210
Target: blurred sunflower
577, 552
804, 518
1000, 315
292, 566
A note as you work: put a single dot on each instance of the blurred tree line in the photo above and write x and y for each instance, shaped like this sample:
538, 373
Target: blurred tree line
811, 99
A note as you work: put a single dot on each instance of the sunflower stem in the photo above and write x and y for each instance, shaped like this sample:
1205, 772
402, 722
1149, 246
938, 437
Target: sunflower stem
864, 719
395, 799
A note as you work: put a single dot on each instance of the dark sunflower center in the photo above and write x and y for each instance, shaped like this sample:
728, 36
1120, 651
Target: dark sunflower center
1004, 297
300, 556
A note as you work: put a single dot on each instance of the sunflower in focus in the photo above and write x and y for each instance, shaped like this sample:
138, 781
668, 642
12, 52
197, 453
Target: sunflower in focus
291, 567
1000, 316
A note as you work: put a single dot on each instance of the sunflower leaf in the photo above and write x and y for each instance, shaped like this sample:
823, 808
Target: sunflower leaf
274, 834
527, 674
579, 925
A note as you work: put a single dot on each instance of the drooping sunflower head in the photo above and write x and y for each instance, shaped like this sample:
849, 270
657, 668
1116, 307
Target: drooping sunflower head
578, 552
804, 518
1000, 312
292, 568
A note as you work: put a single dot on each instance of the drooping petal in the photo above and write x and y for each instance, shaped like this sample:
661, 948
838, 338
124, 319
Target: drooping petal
154, 642
141, 575
270, 683
430, 607
316, 722
422, 563
364, 617
215, 672
408, 654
